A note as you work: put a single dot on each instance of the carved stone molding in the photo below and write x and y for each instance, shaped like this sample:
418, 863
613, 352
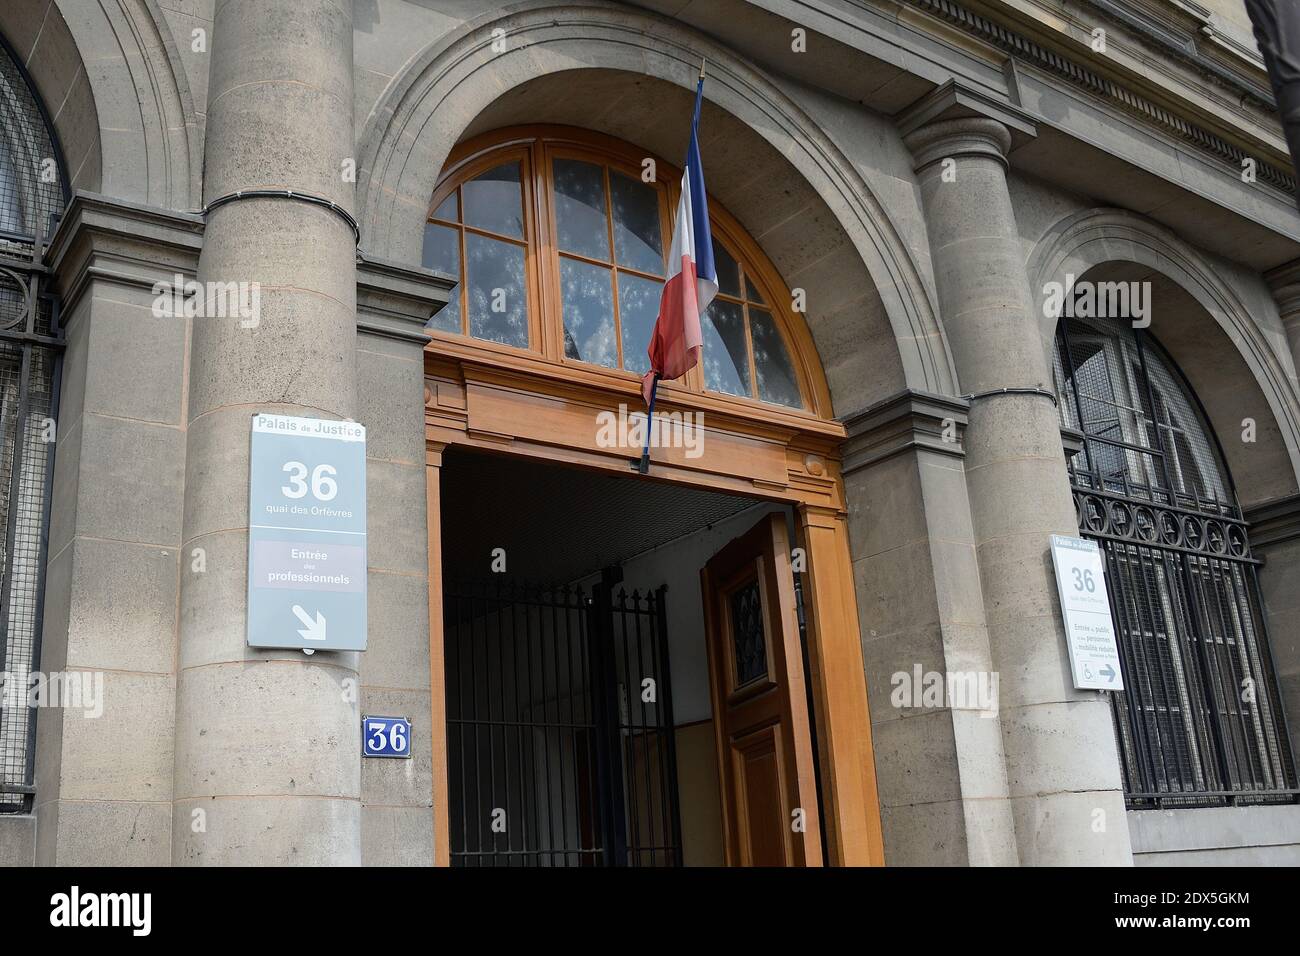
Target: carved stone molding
907, 420
396, 301
1020, 47
104, 239
1274, 522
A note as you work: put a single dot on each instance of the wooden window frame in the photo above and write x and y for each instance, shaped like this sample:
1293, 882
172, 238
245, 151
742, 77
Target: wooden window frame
536, 148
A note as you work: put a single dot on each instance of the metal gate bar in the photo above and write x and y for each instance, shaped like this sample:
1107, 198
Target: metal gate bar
552, 762
1200, 721
31, 343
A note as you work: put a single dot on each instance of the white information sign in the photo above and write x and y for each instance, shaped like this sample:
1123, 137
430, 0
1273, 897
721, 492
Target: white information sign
1089, 630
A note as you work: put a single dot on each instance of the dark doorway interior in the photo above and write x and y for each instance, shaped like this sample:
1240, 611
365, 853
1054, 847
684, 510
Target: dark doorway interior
560, 727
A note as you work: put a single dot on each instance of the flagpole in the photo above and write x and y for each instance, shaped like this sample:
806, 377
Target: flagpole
643, 467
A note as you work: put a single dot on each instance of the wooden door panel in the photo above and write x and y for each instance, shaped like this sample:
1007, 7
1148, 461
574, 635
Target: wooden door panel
759, 700
761, 800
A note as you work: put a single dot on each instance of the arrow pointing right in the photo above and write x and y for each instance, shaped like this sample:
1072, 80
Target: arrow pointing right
315, 629
1109, 672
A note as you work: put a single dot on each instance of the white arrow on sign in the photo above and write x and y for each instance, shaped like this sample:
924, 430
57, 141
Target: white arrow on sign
315, 630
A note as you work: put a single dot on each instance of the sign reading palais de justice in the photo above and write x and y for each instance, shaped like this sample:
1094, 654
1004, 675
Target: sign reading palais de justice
1089, 630
307, 534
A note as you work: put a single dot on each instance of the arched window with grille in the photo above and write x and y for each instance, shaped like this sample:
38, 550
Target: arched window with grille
1200, 722
558, 239
33, 190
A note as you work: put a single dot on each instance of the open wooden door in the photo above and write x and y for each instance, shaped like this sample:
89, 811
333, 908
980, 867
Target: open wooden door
760, 706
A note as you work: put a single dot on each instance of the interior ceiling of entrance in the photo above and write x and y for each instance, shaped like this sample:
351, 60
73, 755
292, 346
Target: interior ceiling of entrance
559, 524
756, 184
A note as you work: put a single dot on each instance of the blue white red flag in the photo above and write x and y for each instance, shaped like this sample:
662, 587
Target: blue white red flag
692, 277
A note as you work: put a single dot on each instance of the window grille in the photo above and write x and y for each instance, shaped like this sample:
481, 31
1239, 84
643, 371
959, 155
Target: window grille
1200, 722
32, 192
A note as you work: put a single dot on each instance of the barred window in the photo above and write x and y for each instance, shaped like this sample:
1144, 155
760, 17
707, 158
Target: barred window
33, 189
1199, 722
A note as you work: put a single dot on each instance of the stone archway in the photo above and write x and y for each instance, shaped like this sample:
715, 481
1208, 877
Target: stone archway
851, 252
1223, 348
1218, 342
128, 127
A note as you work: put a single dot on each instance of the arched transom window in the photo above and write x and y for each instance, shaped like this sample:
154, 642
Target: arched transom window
558, 240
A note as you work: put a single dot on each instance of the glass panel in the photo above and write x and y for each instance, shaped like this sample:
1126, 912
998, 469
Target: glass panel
638, 307
493, 201
442, 249
447, 319
448, 209
638, 237
498, 303
580, 208
728, 271
588, 298
751, 290
726, 363
747, 633
772, 366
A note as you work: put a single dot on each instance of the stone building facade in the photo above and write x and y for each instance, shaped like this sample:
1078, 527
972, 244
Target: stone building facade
892, 403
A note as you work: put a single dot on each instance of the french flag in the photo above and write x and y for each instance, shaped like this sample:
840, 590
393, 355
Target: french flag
692, 277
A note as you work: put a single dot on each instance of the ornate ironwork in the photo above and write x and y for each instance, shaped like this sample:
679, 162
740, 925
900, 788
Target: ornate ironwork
1200, 721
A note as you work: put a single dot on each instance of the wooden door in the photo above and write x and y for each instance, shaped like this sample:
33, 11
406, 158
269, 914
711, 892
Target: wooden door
760, 706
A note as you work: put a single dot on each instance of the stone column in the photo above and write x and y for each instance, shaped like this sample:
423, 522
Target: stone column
1275, 537
1284, 283
104, 781
397, 676
943, 781
1063, 773
267, 742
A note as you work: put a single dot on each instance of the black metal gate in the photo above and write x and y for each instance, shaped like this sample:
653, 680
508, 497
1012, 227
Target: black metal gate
30, 344
560, 748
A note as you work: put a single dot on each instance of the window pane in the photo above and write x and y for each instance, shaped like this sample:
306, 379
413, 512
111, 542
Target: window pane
498, 304
638, 238
447, 319
447, 209
728, 271
442, 249
493, 201
638, 307
751, 290
580, 208
748, 638
588, 299
726, 364
772, 366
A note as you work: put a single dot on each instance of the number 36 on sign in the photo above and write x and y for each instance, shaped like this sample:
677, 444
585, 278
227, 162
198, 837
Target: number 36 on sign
1085, 607
385, 737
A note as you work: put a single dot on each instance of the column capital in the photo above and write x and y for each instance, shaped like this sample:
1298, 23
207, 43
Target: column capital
395, 301
906, 420
1273, 522
957, 120
1284, 283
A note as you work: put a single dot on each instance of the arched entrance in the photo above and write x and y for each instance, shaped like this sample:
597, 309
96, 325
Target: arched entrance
557, 241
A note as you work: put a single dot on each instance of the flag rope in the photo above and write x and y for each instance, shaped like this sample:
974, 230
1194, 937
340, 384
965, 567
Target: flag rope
643, 466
